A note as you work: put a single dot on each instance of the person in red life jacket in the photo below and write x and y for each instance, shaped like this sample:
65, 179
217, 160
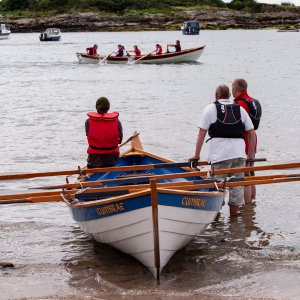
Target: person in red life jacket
120, 51
92, 50
104, 134
225, 122
136, 51
240, 94
158, 50
177, 46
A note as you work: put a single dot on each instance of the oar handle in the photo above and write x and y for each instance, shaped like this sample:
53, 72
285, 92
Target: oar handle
129, 139
256, 160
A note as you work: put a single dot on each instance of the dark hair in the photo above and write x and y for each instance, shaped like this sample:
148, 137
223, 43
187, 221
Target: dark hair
102, 105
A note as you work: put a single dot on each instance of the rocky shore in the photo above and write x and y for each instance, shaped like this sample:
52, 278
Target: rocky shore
209, 19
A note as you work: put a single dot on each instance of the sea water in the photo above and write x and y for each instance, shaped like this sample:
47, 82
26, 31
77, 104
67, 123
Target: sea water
45, 95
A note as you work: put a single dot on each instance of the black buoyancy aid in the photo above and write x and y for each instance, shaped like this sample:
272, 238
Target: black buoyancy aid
255, 111
103, 135
229, 123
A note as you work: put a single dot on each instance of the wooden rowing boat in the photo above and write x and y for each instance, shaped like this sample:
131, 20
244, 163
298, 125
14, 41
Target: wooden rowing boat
150, 224
188, 55
84, 58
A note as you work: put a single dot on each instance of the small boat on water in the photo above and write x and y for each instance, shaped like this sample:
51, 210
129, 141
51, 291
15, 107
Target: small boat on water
50, 34
4, 32
288, 30
85, 58
190, 28
148, 222
187, 55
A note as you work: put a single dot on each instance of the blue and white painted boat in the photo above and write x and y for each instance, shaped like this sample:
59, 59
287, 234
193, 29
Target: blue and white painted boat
148, 222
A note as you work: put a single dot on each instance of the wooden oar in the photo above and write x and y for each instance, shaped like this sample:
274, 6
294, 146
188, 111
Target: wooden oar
130, 188
103, 170
129, 139
142, 57
98, 170
36, 194
134, 178
175, 186
237, 183
105, 58
55, 198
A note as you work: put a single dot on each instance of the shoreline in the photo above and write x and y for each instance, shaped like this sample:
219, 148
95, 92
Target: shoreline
208, 19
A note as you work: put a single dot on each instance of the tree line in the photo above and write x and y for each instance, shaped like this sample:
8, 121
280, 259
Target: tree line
123, 6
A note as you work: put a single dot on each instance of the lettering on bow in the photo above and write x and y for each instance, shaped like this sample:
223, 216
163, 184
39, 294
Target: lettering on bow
191, 201
111, 208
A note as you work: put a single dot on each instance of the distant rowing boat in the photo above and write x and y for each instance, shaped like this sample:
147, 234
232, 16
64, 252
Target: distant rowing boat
188, 55
287, 30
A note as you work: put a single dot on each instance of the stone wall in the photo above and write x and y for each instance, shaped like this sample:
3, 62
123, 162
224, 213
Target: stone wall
209, 19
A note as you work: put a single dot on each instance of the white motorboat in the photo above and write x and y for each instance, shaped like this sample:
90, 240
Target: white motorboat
4, 32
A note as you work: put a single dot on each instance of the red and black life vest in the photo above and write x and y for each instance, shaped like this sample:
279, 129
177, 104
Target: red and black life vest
229, 123
103, 134
255, 110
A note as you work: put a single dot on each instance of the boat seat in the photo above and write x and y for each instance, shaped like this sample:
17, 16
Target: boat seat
135, 175
99, 195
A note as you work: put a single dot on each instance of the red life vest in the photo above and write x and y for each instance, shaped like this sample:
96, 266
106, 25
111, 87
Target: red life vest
103, 135
137, 52
158, 49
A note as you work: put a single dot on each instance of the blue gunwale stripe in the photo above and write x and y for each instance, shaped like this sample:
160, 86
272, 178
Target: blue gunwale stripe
111, 208
199, 201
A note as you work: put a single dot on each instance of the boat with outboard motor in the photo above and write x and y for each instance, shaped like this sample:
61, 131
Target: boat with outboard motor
50, 35
4, 32
190, 28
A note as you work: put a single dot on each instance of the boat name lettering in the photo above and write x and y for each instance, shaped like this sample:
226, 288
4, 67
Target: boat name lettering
189, 201
111, 208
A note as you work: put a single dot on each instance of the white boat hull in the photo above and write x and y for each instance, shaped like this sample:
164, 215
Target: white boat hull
4, 36
4, 32
132, 232
188, 55
87, 59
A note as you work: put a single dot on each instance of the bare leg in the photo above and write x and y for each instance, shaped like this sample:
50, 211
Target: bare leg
233, 209
248, 194
253, 190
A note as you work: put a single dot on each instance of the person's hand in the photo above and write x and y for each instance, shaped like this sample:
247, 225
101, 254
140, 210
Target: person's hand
194, 158
194, 162
250, 156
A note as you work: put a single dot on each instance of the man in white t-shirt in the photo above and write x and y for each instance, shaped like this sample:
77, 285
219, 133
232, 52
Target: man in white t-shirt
226, 122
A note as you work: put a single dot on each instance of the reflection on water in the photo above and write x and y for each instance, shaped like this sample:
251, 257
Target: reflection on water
55, 259
231, 248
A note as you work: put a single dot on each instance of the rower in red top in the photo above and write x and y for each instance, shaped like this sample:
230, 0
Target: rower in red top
239, 92
92, 50
177, 46
158, 50
136, 51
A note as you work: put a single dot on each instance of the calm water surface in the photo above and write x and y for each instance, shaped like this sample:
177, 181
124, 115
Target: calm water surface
44, 97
